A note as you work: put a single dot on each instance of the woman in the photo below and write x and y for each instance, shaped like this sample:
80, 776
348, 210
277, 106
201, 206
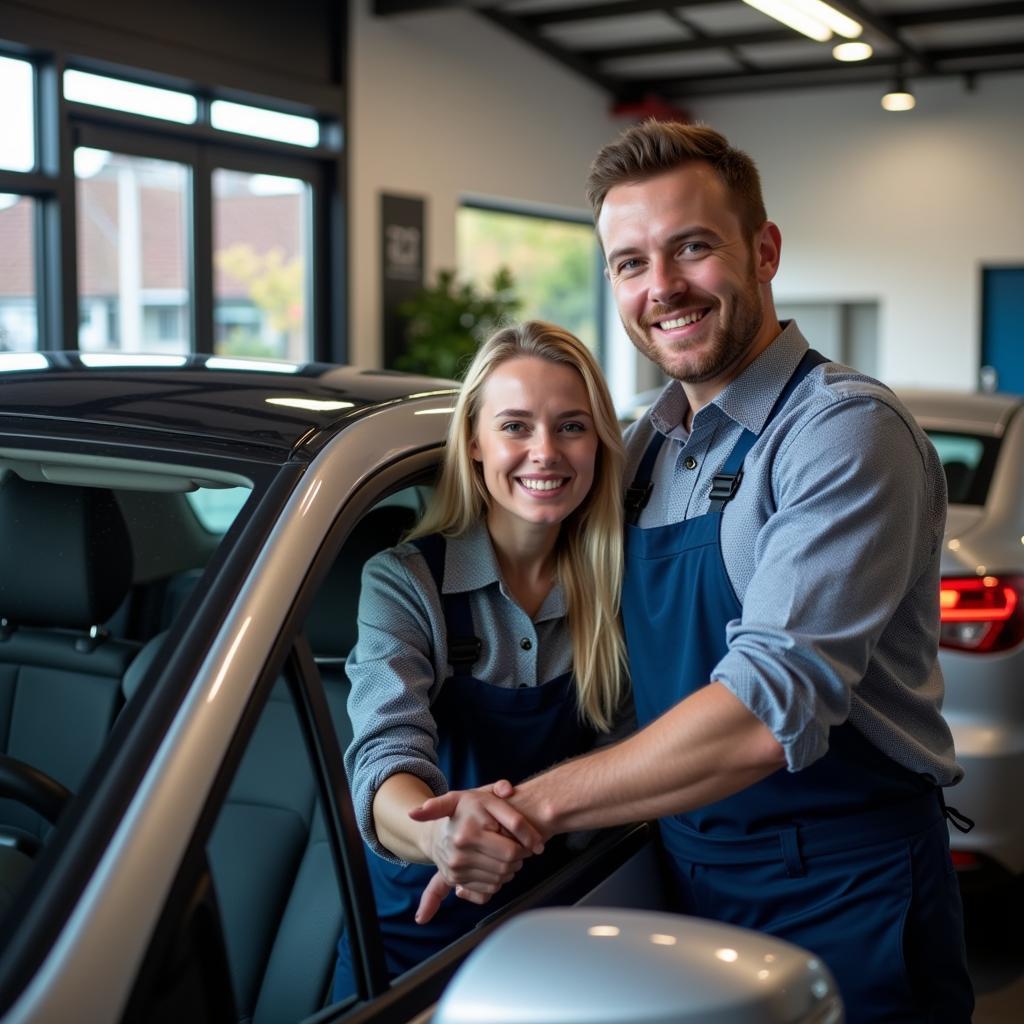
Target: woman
489, 643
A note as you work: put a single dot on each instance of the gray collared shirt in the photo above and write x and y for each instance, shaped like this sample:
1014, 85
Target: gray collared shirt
401, 658
832, 545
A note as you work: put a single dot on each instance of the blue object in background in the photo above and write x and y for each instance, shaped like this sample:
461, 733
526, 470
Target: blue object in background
1002, 334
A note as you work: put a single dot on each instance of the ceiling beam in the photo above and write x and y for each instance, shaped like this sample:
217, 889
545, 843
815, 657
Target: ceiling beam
615, 9
566, 57
783, 35
937, 16
882, 70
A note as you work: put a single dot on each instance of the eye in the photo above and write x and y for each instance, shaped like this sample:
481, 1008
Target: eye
513, 427
625, 266
694, 248
574, 427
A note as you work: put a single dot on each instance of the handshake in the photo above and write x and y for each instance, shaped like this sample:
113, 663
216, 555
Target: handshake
478, 840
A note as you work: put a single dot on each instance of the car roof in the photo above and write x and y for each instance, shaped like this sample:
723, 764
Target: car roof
194, 402
961, 411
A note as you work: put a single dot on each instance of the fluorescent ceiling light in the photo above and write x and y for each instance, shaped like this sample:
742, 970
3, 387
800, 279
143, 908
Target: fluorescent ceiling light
789, 14
829, 16
852, 51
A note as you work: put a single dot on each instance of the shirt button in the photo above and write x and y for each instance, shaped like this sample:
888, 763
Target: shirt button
526, 643
690, 462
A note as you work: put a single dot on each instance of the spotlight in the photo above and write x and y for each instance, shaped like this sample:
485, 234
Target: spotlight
852, 51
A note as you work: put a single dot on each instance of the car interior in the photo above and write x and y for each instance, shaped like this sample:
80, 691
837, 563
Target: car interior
86, 596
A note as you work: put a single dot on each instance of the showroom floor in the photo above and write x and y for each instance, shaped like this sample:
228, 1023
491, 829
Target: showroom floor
995, 950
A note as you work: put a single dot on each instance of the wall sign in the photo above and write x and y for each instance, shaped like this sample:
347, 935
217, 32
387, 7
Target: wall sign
402, 255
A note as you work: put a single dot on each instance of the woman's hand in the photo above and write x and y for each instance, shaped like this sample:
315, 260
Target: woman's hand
478, 842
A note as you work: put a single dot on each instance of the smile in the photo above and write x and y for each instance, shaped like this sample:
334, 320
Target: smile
542, 485
683, 321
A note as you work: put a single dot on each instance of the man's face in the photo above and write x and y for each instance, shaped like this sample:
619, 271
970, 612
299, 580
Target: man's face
690, 286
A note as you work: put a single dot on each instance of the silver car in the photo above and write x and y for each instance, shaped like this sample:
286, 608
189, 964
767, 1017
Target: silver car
980, 439
182, 540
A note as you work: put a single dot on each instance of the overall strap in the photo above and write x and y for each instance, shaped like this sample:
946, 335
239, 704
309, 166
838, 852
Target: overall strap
639, 492
725, 483
463, 645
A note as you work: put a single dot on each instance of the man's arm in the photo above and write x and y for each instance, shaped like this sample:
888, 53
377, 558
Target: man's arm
707, 747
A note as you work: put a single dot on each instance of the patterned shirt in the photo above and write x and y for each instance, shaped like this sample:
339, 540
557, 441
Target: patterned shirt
832, 545
401, 658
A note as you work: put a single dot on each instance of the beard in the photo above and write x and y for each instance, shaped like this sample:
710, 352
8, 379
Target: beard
730, 340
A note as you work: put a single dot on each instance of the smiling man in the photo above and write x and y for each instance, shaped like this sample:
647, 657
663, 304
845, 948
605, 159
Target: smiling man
780, 604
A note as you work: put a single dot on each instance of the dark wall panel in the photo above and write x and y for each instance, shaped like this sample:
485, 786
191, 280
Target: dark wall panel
248, 44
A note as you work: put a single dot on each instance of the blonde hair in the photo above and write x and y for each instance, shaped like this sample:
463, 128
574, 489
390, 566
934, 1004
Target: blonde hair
589, 549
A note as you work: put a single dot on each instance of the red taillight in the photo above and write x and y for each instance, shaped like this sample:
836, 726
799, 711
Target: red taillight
981, 613
964, 860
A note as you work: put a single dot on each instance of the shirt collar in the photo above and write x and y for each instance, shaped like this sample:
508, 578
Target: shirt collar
749, 398
471, 564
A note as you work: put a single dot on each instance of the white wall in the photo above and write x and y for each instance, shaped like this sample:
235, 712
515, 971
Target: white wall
443, 105
904, 209
899, 209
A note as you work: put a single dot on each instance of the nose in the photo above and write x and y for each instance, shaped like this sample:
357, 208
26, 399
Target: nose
545, 450
667, 282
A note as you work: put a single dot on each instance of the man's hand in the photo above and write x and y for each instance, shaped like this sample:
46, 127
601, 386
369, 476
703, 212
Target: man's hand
478, 844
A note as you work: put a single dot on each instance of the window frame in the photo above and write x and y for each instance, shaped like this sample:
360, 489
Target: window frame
61, 125
494, 205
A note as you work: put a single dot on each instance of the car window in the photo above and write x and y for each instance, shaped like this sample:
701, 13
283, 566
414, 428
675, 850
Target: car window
274, 875
98, 557
968, 461
216, 508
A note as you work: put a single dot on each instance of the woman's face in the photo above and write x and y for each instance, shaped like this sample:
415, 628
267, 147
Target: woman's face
536, 442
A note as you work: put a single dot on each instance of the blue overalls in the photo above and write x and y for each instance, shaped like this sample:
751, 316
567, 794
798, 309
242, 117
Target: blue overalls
485, 733
849, 857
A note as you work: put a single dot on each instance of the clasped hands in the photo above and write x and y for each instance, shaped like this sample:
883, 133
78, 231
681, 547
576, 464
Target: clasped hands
478, 841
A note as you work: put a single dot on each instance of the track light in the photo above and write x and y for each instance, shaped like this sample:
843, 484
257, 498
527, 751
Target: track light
852, 51
899, 97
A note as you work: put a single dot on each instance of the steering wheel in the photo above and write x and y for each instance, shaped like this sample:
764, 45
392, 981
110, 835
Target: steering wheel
32, 788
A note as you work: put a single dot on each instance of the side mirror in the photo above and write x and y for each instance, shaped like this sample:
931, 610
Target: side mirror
588, 965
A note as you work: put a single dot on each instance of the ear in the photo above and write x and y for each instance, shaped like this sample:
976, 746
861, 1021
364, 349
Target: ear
767, 251
474, 450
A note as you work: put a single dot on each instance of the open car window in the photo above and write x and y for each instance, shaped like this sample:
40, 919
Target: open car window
100, 555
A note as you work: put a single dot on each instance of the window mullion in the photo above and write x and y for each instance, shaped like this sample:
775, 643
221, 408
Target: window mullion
202, 254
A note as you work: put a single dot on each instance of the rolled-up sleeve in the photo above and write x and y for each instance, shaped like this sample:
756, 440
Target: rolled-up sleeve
393, 680
849, 535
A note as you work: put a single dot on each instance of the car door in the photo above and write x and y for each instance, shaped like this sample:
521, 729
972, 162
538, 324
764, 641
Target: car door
276, 867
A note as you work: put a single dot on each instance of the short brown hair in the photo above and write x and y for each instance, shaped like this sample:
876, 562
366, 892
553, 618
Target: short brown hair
654, 147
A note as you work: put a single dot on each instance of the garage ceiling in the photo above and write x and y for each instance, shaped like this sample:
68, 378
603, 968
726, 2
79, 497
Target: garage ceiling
662, 53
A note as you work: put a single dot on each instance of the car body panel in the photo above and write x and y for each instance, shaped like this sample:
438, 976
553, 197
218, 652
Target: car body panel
984, 702
101, 937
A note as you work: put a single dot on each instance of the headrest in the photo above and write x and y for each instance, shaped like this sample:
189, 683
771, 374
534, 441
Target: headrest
65, 556
332, 627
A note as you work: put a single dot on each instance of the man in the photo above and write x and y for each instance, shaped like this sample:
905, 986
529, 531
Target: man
780, 604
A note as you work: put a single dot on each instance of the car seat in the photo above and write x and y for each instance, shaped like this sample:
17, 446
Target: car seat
65, 565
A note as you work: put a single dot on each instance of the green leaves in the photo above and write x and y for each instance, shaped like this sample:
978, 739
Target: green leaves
449, 319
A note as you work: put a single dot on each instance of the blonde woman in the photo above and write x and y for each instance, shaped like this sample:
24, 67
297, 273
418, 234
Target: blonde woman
489, 643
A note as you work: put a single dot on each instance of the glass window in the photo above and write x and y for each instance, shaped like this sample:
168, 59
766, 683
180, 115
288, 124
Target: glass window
19, 322
553, 262
216, 509
261, 284
968, 462
17, 114
264, 124
134, 292
115, 94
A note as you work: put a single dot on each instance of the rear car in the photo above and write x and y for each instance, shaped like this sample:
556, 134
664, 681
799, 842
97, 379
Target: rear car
980, 440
